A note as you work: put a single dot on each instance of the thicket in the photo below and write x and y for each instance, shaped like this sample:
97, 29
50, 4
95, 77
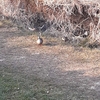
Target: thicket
76, 19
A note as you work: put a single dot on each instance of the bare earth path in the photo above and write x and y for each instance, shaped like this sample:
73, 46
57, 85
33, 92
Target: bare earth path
75, 72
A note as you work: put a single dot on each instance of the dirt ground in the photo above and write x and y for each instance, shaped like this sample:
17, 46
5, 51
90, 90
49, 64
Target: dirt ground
75, 70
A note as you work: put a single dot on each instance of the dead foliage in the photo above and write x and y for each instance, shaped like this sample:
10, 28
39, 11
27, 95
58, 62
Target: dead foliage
72, 18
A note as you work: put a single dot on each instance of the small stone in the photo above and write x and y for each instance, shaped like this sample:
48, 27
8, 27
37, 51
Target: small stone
47, 91
92, 87
3, 75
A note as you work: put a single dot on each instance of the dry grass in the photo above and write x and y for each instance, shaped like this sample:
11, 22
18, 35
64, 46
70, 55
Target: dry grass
52, 71
70, 58
69, 17
53, 45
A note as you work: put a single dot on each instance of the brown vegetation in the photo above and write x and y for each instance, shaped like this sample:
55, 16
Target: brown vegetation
72, 17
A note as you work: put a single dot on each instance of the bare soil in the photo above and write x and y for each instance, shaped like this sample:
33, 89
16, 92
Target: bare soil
75, 70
